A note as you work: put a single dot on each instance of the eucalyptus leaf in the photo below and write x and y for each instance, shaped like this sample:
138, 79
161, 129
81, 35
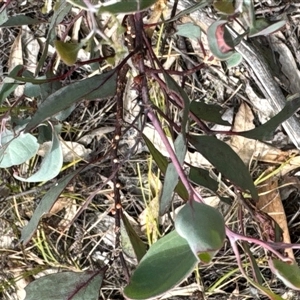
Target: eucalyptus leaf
289, 273
265, 27
132, 238
66, 285
226, 161
67, 51
20, 20
166, 264
3, 17
201, 177
216, 40
203, 227
265, 132
99, 86
234, 60
208, 112
225, 7
189, 30
162, 164
171, 176
16, 150
9, 85
51, 164
126, 6
249, 12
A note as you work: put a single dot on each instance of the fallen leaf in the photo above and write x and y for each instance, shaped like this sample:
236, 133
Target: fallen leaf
270, 202
15, 59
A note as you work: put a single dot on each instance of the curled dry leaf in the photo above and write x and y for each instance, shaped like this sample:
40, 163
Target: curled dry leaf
15, 59
270, 202
71, 150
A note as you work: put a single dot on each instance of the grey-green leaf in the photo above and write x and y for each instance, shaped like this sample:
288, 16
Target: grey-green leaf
3, 17
189, 30
132, 238
165, 265
234, 60
162, 164
226, 161
171, 176
66, 286
265, 131
126, 6
20, 20
201, 177
99, 86
51, 164
208, 112
217, 42
289, 273
16, 150
9, 85
264, 27
202, 226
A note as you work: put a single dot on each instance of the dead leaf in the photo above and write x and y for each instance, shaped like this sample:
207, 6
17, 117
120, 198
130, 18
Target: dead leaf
31, 48
15, 59
249, 149
159, 8
71, 150
270, 203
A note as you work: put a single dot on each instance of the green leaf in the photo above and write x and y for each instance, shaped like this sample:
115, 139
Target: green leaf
51, 164
162, 164
234, 60
249, 12
289, 273
127, 6
226, 7
45, 205
67, 51
226, 161
218, 45
135, 241
265, 131
165, 265
255, 269
208, 112
99, 86
66, 286
20, 20
3, 17
171, 176
201, 177
203, 227
9, 85
265, 27
189, 30
17, 150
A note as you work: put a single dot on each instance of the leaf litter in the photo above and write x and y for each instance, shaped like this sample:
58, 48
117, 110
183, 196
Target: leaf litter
254, 154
